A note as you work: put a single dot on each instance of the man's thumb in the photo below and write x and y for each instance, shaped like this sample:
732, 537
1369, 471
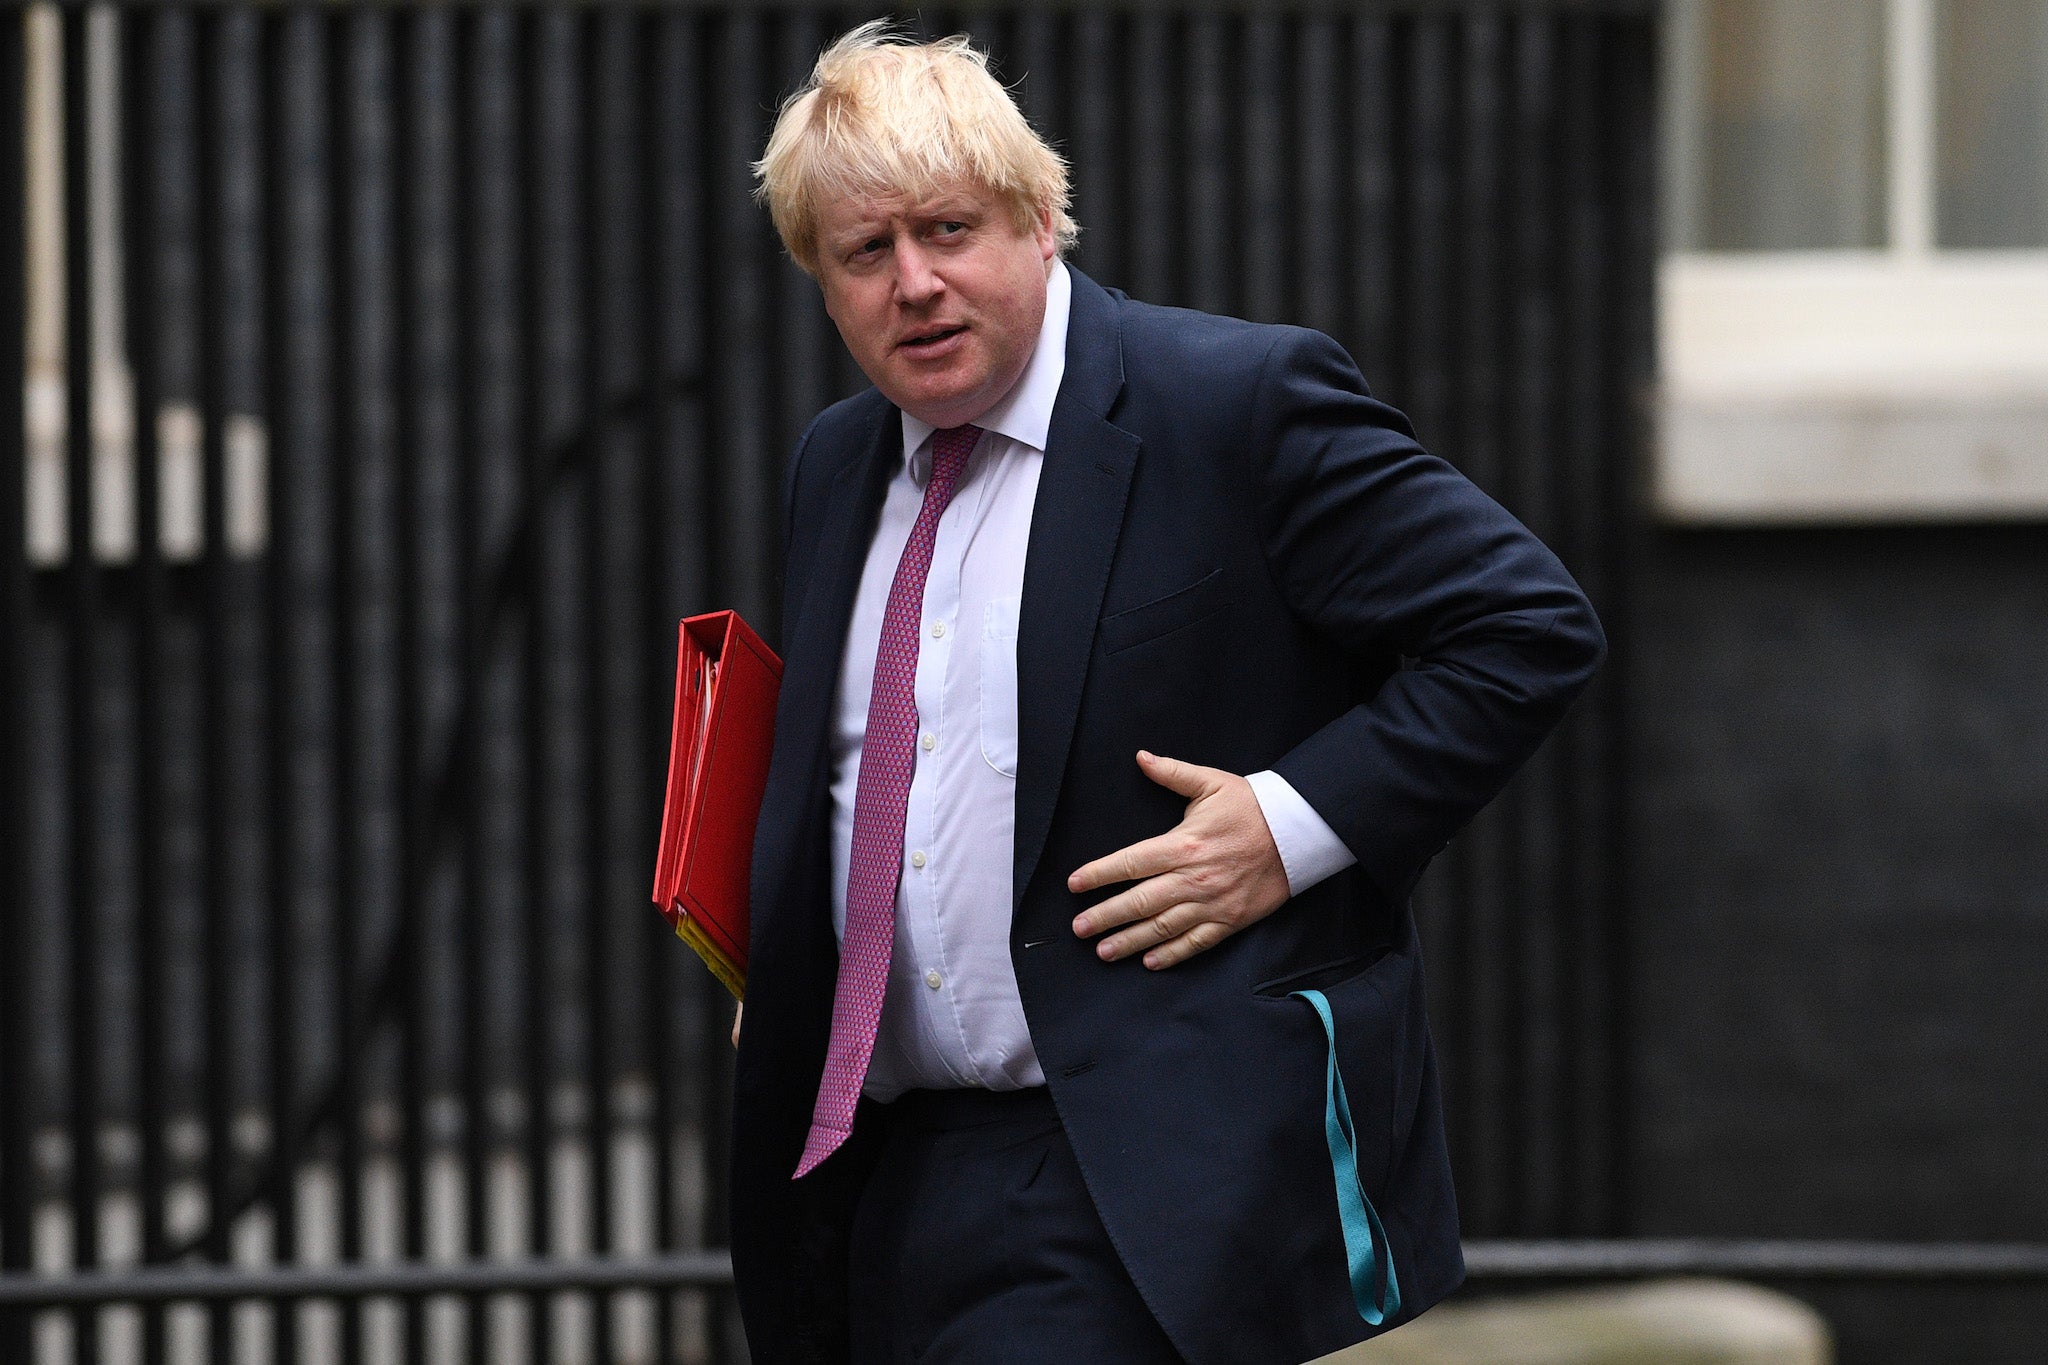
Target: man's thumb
1188, 779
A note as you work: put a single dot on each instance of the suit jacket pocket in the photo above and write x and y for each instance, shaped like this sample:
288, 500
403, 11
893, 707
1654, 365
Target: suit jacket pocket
1162, 616
1372, 997
1323, 974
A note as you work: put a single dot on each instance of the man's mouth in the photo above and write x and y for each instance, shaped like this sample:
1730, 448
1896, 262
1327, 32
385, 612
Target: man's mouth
931, 338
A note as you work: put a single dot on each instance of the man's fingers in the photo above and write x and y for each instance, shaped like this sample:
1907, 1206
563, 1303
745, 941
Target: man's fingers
737, 1011
1161, 853
1147, 898
1199, 939
1197, 884
1188, 779
1146, 858
1147, 933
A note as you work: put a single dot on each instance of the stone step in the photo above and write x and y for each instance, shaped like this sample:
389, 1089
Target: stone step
1664, 1322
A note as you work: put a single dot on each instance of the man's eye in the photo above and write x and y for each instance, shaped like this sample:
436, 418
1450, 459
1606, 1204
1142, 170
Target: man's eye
949, 229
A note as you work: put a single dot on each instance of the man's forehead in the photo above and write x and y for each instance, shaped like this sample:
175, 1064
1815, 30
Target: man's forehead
875, 207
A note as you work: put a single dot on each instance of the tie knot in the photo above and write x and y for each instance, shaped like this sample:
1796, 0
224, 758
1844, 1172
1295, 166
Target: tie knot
950, 448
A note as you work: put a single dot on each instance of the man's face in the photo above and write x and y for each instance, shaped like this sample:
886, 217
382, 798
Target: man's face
939, 300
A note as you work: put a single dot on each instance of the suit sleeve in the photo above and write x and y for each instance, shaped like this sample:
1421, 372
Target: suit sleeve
1388, 551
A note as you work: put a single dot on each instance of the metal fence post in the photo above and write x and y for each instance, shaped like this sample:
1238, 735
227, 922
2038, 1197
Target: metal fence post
16, 1172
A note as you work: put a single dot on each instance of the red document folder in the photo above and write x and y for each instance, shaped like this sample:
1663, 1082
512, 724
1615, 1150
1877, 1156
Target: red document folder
724, 730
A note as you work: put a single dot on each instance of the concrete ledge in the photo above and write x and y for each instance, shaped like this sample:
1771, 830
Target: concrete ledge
1838, 459
1668, 1322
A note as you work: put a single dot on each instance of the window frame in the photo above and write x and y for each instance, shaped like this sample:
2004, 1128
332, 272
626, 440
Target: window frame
1904, 383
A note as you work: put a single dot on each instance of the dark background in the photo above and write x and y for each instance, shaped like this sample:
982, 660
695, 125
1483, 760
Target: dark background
1839, 900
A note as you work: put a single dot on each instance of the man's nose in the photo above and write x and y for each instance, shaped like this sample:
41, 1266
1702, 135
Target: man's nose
916, 283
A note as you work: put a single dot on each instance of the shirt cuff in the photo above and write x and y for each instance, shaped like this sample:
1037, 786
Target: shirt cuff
1309, 849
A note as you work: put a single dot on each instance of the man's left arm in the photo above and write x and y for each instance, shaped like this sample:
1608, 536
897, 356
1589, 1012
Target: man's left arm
1389, 551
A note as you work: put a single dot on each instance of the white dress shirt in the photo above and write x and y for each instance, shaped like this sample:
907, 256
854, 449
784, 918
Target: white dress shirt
952, 1016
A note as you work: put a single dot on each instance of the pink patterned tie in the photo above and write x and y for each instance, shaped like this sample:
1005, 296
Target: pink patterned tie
888, 754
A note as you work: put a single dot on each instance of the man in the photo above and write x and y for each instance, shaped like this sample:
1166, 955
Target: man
1136, 663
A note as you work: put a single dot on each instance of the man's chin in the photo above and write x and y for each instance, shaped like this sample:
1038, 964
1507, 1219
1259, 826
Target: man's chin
949, 408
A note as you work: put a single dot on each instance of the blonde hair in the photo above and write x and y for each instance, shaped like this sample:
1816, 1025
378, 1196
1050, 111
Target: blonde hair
884, 116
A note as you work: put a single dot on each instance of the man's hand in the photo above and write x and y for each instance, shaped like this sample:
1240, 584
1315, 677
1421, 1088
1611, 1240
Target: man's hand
737, 1011
1214, 873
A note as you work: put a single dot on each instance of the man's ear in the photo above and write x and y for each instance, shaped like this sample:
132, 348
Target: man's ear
1048, 240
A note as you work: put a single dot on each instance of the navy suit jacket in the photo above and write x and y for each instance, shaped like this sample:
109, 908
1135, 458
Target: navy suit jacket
1239, 558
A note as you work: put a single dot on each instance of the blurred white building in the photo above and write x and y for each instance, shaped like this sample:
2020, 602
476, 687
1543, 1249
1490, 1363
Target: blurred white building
1853, 301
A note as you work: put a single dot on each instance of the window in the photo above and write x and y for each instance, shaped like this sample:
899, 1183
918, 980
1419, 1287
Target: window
1991, 130
1853, 300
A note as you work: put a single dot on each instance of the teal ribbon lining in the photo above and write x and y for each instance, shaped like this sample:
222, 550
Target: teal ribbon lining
1373, 1284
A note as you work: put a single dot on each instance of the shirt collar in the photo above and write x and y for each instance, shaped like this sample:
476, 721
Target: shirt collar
1025, 413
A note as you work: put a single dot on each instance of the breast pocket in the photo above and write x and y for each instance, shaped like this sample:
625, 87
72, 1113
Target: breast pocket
1164, 616
999, 685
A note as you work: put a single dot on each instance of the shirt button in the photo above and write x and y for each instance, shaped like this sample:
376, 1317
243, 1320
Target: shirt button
917, 858
938, 630
930, 742
932, 979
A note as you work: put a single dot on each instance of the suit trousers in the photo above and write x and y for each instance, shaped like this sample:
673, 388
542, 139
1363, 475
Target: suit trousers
975, 1240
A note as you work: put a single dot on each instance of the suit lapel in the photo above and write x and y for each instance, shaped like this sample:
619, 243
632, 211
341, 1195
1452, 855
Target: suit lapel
816, 639
1075, 523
